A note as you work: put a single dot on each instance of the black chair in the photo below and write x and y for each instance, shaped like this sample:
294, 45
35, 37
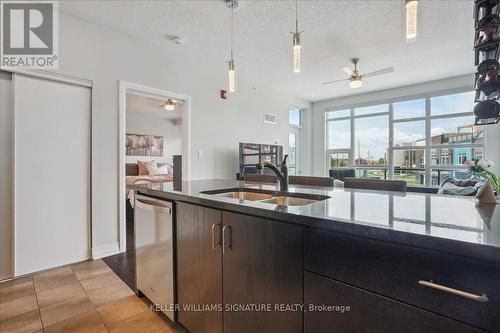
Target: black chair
375, 184
341, 173
311, 181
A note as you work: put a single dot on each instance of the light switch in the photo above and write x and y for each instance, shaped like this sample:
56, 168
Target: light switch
200, 154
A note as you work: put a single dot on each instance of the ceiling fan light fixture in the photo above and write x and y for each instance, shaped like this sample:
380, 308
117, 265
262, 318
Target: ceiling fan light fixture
170, 104
411, 20
355, 83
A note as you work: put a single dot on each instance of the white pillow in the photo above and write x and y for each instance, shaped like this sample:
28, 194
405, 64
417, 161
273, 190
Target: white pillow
159, 170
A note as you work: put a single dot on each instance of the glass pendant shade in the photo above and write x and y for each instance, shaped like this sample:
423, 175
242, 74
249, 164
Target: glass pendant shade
231, 76
296, 52
411, 23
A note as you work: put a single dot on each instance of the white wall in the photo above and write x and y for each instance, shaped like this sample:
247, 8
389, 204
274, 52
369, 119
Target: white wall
100, 54
151, 125
418, 90
6, 157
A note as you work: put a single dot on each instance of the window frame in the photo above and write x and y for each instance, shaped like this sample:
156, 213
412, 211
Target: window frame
391, 121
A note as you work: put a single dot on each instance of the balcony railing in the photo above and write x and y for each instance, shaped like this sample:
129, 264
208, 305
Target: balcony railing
413, 176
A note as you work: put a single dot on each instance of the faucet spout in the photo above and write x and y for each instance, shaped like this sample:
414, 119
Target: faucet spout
282, 175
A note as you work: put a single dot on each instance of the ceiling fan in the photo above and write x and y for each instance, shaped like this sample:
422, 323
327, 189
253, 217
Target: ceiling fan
355, 79
170, 104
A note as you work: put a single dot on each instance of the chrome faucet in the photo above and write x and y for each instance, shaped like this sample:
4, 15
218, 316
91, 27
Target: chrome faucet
282, 175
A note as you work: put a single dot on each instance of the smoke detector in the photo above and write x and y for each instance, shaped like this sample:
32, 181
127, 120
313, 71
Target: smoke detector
175, 39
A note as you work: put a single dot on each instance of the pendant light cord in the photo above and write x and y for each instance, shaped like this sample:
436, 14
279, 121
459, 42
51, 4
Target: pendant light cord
232, 30
297, 16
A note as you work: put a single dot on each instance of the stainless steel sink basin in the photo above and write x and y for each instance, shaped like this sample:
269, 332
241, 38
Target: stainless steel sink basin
250, 196
270, 197
290, 201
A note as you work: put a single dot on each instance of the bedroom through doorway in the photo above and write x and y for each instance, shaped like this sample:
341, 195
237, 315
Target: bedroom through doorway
154, 127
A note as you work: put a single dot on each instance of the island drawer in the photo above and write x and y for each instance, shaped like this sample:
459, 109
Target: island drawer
332, 304
460, 288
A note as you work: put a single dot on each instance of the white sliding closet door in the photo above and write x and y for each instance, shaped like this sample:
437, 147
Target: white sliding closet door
51, 174
6, 120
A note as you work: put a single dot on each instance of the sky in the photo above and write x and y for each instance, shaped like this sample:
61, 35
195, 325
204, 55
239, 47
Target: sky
373, 133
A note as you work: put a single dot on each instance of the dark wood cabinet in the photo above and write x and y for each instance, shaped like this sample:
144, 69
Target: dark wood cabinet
368, 312
402, 272
262, 264
235, 271
232, 261
199, 268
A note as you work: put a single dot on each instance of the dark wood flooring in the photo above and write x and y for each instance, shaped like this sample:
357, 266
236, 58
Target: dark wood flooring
123, 264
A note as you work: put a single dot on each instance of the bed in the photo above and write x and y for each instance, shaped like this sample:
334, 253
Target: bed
132, 177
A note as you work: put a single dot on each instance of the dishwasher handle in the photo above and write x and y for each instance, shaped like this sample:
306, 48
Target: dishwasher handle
151, 204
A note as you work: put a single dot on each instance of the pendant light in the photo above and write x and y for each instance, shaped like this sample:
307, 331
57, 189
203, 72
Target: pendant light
411, 20
296, 42
231, 72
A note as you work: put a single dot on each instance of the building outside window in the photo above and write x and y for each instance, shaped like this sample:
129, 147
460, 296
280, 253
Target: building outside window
438, 128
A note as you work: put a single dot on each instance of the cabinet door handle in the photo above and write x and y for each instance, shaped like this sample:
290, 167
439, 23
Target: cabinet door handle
215, 235
474, 297
227, 240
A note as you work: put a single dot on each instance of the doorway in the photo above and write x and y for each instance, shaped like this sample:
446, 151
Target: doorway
154, 127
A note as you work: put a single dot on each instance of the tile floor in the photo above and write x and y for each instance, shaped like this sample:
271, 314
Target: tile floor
86, 297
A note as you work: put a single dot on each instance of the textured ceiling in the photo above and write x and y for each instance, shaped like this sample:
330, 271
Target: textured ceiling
334, 32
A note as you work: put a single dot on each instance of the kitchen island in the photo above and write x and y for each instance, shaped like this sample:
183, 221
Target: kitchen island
397, 261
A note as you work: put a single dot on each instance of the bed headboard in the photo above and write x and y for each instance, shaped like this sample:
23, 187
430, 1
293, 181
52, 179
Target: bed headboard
131, 169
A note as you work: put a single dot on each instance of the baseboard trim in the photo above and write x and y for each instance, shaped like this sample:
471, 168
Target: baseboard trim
105, 250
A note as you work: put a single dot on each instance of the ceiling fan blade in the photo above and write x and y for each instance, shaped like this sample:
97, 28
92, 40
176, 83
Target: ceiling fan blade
379, 72
335, 81
347, 70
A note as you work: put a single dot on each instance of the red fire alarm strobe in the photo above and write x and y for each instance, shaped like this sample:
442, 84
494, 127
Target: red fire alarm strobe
223, 94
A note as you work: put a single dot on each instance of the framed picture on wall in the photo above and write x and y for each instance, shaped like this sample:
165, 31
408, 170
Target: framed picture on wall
144, 145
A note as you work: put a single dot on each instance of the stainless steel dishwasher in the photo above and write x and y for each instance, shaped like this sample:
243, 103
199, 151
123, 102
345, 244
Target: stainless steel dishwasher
154, 251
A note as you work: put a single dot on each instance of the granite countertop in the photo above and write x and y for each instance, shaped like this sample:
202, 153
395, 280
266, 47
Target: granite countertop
449, 224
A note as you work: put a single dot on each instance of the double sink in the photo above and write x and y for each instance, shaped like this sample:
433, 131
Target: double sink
271, 197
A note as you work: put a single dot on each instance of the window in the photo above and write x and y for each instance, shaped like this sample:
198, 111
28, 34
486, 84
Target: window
339, 160
338, 114
409, 109
294, 137
371, 110
339, 134
371, 140
409, 133
456, 130
462, 157
451, 104
294, 117
392, 141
